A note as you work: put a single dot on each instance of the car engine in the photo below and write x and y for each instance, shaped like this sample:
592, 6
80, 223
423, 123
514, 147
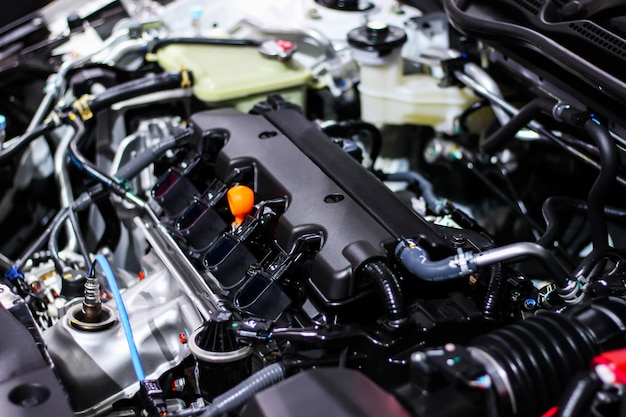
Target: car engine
313, 207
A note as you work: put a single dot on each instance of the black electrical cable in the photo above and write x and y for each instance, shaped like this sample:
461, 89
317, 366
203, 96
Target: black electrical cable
161, 43
388, 287
609, 163
497, 139
80, 239
11, 147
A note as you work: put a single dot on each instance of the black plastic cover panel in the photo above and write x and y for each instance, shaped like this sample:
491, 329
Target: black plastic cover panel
327, 192
335, 392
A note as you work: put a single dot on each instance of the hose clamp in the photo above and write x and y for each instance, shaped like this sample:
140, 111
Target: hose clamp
82, 108
462, 260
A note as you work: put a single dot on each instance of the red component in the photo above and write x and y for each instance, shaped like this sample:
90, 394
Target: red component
182, 336
550, 412
141, 275
615, 360
284, 45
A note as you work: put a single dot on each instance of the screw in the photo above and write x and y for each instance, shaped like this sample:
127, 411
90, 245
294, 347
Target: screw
458, 240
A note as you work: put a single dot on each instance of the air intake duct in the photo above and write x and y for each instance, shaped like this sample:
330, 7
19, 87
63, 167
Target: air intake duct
530, 363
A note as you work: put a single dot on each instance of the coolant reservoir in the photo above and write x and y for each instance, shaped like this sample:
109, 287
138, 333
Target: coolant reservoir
388, 96
235, 76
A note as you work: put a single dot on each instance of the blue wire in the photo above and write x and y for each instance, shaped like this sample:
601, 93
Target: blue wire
128, 331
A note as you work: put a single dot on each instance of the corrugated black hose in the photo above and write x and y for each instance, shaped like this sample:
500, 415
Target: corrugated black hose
388, 286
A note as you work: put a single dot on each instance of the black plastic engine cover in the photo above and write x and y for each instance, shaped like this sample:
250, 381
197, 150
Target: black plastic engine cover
327, 192
336, 392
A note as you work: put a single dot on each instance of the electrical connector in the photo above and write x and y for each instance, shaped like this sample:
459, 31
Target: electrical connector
152, 400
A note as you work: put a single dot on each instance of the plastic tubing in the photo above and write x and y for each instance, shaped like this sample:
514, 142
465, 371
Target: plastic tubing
128, 331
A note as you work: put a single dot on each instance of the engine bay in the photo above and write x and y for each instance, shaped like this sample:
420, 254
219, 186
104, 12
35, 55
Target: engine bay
313, 207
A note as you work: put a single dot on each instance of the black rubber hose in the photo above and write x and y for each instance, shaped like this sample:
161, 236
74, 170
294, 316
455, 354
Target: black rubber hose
133, 167
112, 230
497, 139
495, 292
552, 204
609, 162
11, 147
389, 289
146, 85
579, 396
201, 41
536, 358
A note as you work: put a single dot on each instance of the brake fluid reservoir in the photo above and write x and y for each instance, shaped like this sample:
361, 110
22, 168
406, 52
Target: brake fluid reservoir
235, 76
388, 96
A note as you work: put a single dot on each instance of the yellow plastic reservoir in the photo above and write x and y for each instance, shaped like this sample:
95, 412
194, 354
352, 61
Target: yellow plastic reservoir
237, 76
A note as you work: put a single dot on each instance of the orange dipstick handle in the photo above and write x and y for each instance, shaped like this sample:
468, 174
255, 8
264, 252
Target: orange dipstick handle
240, 202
